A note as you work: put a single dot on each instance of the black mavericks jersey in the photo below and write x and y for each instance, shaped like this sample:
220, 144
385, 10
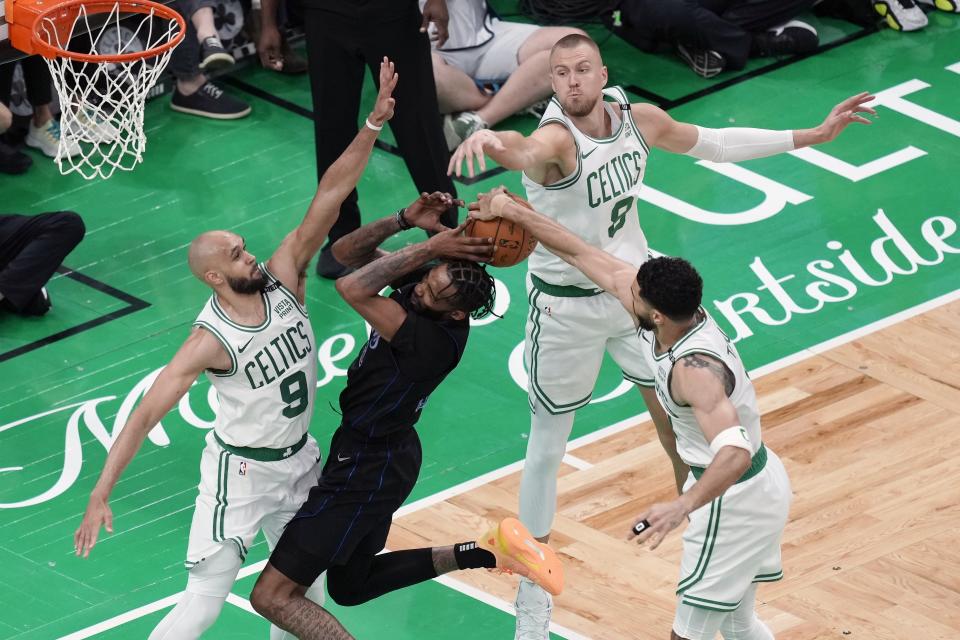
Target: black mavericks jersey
389, 382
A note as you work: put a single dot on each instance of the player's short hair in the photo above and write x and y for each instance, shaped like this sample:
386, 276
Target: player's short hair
574, 40
475, 290
672, 286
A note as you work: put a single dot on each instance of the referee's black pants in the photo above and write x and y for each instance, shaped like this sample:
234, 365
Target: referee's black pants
338, 50
31, 249
724, 26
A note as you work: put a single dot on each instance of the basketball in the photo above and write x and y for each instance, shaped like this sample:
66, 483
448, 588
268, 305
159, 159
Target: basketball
512, 243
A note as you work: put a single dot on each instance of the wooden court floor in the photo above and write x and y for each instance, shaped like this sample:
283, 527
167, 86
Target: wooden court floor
869, 432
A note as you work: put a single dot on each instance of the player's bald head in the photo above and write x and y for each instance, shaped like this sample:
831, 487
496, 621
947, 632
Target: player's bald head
209, 250
574, 41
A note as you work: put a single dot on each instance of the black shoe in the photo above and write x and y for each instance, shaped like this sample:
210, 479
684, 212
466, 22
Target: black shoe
792, 38
209, 101
38, 305
704, 62
13, 161
329, 268
213, 57
293, 63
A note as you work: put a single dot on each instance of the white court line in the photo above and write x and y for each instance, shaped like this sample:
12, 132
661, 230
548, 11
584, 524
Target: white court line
955, 67
577, 463
2, 469
496, 474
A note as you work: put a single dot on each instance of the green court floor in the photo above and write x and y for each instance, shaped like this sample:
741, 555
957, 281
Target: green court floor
795, 250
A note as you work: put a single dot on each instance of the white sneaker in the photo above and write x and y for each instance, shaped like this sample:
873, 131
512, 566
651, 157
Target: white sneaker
901, 15
47, 139
96, 127
459, 128
533, 607
950, 6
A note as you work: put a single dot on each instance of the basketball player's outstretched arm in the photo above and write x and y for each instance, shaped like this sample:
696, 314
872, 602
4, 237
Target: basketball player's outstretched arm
606, 271
200, 351
549, 145
362, 245
361, 289
733, 144
301, 244
702, 382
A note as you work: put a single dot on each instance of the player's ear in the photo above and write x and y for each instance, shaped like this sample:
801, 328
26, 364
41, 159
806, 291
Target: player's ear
457, 315
213, 278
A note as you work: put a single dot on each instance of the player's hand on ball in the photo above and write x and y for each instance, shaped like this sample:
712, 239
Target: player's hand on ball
454, 245
425, 211
98, 514
383, 109
663, 518
481, 209
473, 148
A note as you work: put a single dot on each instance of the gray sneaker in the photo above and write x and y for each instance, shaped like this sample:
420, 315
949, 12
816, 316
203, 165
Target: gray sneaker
901, 15
950, 6
533, 607
459, 128
209, 101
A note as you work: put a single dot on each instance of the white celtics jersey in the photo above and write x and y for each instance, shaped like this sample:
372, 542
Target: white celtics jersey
707, 338
266, 397
597, 202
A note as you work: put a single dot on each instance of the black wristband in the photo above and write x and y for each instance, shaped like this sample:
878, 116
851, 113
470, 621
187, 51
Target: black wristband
401, 221
640, 527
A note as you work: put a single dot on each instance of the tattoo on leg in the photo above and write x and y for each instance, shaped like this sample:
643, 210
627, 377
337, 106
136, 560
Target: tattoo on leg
309, 621
699, 361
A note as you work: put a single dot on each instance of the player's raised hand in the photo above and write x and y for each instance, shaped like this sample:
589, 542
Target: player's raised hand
844, 113
661, 519
425, 211
98, 514
383, 109
474, 147
454, 245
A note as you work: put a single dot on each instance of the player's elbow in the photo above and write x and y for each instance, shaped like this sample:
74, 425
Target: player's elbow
739, 459
349, 289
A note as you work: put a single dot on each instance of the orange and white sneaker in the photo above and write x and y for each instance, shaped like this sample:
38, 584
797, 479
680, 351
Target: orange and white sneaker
517, 551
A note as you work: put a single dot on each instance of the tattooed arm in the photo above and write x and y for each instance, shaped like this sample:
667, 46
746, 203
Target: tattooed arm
362, 246
703, 383
361, 289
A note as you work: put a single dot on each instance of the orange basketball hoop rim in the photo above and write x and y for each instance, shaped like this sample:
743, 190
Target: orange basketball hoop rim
31, 20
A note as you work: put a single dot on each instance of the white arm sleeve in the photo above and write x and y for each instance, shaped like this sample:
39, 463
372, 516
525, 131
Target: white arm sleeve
739, 143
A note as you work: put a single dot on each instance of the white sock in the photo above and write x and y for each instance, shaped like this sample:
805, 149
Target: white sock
538, 484
208, 584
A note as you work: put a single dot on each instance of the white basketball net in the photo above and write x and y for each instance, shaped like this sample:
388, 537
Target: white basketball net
101, 121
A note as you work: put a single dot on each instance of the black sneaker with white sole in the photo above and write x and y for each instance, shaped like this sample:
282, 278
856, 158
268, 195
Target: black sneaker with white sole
209, 101
704, 62
213, 56
792, 38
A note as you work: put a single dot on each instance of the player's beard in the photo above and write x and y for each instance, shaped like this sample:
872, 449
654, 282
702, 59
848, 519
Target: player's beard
645, 323
247, 286
582, 107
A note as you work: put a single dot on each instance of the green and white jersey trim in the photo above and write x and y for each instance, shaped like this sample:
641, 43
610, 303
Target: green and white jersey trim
266, 397
704, 338
597, 200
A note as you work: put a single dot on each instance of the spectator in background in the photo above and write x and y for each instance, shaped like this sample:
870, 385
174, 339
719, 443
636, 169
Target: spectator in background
484, 50
31, 249
343, 38
714, 35
293, 62
201, 52
44, 130
12, 161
